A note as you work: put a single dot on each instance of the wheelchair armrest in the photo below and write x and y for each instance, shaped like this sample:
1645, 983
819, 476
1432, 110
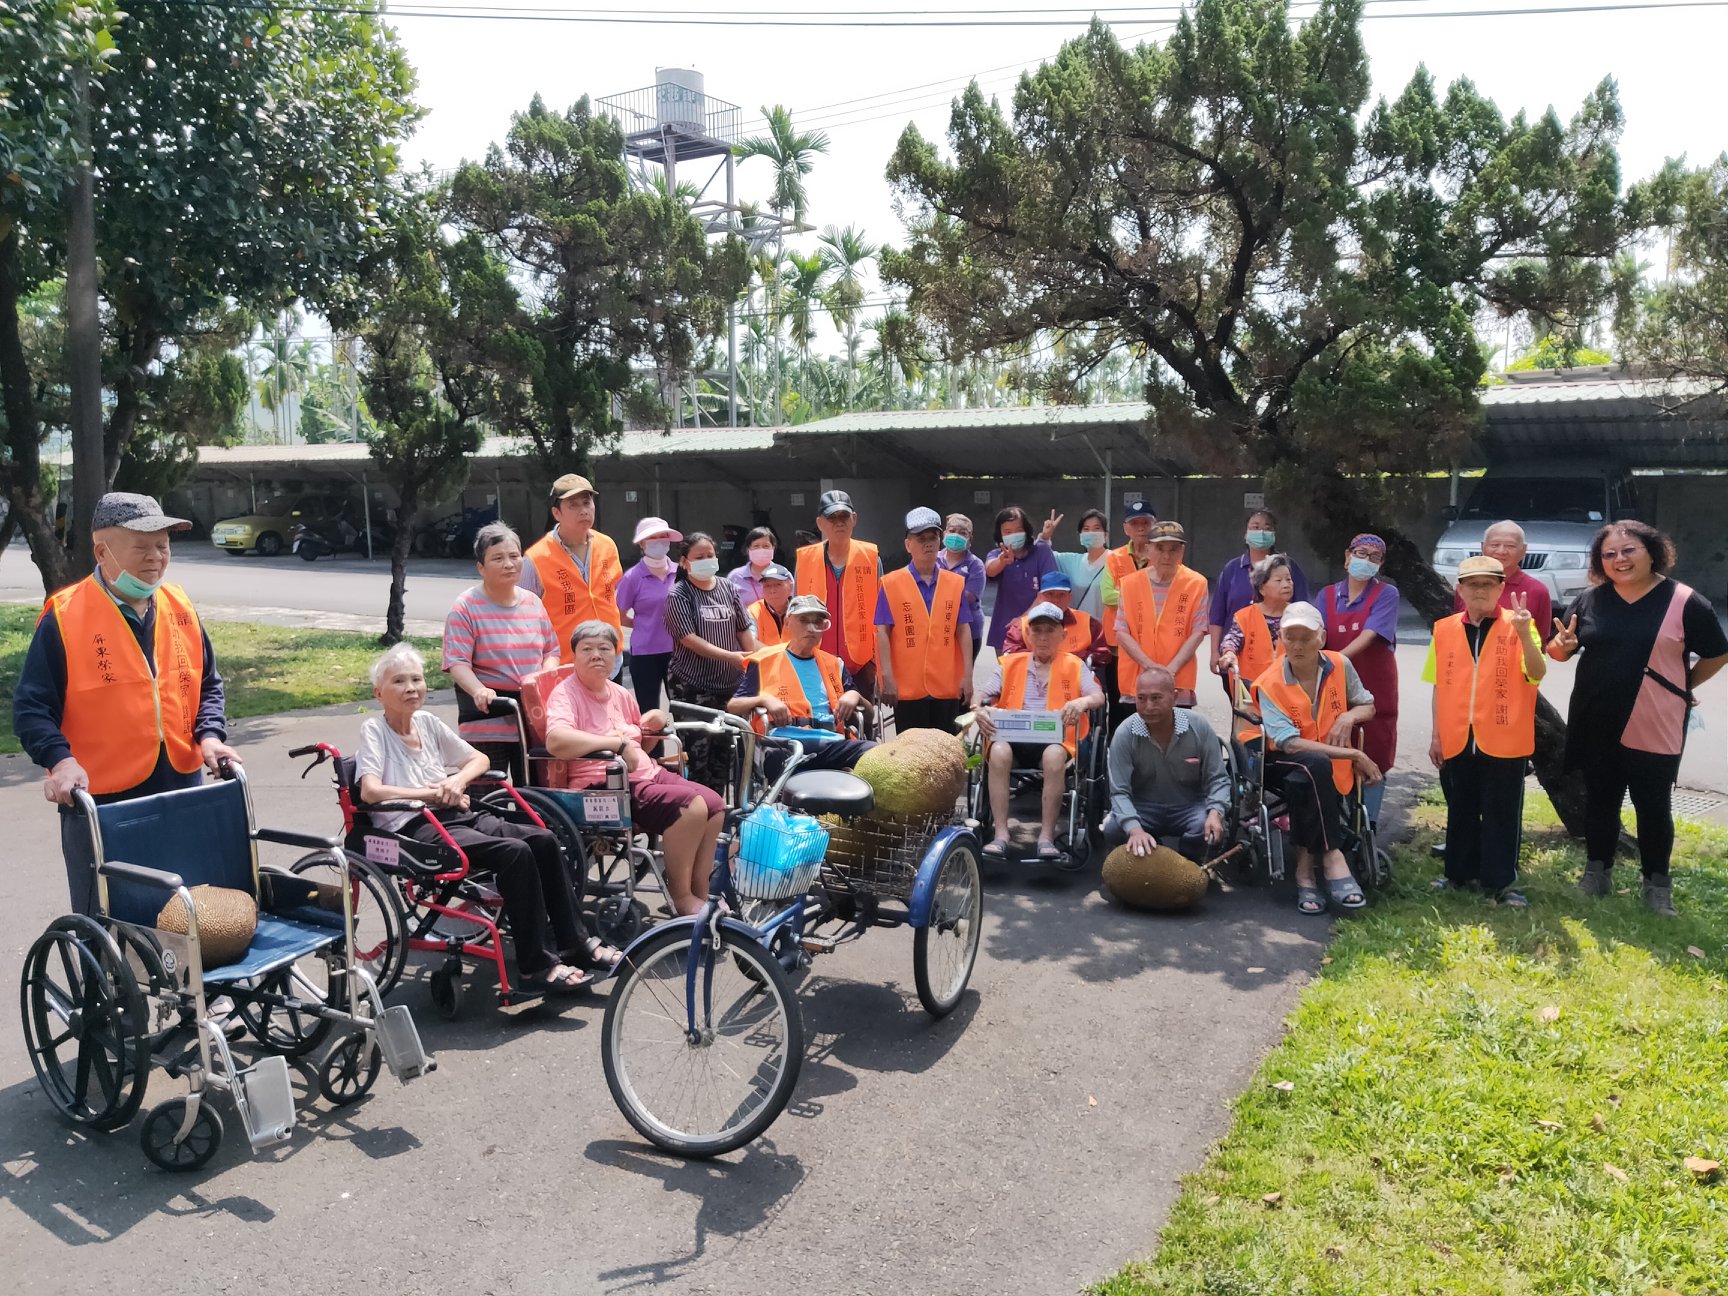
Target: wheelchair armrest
371, 807
284, 837
138, 873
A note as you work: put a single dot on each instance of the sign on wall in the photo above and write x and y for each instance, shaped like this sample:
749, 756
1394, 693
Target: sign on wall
1253, 499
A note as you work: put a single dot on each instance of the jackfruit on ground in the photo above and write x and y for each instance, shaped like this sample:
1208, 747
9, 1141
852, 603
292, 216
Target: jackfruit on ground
1163, 880
227, 920
919, 772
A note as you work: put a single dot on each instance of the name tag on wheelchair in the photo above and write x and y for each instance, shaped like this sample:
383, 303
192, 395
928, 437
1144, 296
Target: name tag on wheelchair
1028, 726
385, 851
596, 809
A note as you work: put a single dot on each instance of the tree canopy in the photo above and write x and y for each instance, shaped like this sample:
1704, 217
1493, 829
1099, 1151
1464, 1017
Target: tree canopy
1679, 326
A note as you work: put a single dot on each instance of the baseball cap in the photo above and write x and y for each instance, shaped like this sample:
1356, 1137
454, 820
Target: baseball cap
1167, 531
774, 571
1481, 565
1303, 614
923, 519
649, 526
1139, 508
835, 501
806, 605
571, 484
135, 513
1044, 612
1055, 580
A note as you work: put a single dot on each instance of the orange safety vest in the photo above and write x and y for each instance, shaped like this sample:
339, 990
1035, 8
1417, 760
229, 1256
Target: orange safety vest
570, 600
1119, 563
769, 629
1162, 634
1063, 688
113, 701
779, 679
1076, 638
1312, 721
1259, 651
1486, 692
859, 585
924, 643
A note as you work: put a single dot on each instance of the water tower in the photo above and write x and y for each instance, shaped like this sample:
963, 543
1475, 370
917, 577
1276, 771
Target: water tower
676, 122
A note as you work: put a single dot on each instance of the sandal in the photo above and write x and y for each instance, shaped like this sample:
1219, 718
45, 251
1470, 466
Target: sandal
1512, 899
996, 850
1309, 900
1345, 893
601, 957
559, 979
1047, 851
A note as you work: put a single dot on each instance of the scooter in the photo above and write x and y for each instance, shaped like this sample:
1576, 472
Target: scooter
311, 544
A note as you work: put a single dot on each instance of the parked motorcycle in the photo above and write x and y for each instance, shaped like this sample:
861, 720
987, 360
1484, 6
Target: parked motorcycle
311, 543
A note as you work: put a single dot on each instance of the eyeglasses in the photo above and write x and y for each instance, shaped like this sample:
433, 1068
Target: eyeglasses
817, 622
1614, 555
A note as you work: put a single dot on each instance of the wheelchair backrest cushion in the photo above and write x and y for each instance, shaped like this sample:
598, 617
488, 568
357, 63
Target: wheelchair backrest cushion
536, 688
202, 833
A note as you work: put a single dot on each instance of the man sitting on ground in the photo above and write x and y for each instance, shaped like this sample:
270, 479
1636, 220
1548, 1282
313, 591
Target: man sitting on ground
1167, 774
1045, 679
797, 683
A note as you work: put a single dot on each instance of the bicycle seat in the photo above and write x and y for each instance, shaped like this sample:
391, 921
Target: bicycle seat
828, 792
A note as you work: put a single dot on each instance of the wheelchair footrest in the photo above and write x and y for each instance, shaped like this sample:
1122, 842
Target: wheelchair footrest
264, 1098
399, 1042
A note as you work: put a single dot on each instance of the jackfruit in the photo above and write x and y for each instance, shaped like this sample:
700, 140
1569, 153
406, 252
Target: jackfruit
1163, 880
227, 920
919, 772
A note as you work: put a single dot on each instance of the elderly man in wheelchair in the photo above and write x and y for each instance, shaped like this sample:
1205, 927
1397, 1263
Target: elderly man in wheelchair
1311, 703
804, 692
1168, 777
1046, 678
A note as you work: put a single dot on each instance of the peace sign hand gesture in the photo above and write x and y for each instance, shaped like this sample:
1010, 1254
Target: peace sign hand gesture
1050, 525
1520, 613
1566, 636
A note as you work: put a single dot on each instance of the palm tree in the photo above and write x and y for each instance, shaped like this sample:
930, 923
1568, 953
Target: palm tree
801, 296
792, 152
845, 252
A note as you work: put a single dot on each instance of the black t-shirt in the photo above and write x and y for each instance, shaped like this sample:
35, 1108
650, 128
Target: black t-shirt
1614, 642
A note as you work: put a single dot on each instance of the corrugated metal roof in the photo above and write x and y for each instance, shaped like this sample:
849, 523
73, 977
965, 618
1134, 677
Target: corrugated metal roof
1122, 414
633, 445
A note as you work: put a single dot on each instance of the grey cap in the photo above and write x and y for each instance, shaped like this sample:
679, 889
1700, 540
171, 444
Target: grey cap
135, 513
1044, 612
923, 519
774, 571
805, 604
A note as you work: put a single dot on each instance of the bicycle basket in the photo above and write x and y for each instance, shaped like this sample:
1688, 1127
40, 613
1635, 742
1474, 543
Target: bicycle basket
779, 854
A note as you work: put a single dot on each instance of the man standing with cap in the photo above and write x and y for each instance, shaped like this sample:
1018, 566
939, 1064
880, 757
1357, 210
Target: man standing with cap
1485, 664
846, 574
1162, 618
1081, 635
574, 568
119, 693
924, 643
768, 613
1119, 565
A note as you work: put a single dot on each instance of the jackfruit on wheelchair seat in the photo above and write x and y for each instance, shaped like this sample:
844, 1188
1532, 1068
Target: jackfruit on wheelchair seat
1163, 880
227, 921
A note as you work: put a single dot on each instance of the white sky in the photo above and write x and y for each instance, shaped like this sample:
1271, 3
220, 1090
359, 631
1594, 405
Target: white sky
474, 74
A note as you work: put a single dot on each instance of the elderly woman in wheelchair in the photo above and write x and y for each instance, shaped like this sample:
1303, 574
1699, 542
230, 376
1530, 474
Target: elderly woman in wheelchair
414, 762
589, 717
1311, 703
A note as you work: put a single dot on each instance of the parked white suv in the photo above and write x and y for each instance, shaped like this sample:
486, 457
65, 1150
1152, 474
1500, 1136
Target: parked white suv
1560, 505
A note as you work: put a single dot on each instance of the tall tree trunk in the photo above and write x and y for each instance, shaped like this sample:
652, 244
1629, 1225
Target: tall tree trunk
83, 338
395, 612
138, 351
22, 476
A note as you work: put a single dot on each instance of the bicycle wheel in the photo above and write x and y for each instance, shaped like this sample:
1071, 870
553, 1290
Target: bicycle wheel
946, 947
380, 929
702, 1097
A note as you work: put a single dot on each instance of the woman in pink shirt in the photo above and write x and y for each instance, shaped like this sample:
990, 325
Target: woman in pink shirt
588, 714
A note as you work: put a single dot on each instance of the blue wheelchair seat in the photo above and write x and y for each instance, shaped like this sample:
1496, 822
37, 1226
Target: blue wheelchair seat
277, 943
203, 834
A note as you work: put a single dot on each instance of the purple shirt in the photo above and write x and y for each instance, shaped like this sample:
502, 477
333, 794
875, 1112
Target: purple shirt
886, 618
642, 592
747, 583
1234, 589
971, 570
1017, 588
1382, 617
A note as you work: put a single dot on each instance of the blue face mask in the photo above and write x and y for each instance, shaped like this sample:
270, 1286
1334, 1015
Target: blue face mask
656, 548
1090, 540
954, 543
129, 586
704, 568
1261, 539
1363, 569
1015, 539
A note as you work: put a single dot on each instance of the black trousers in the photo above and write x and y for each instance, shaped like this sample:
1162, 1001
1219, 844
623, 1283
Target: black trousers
1650, 780
647, 674
531, 877
926, 713
710, 758
1304, 780
1484, 818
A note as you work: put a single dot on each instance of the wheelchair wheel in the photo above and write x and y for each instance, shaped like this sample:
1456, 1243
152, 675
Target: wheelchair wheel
702, 1096
195, 1150
288, 1028
84, 1024
349, 1070
380, 928
946, 947
978, 805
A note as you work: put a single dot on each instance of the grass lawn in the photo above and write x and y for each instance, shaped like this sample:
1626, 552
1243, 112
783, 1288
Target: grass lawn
1475, 1100
265, 668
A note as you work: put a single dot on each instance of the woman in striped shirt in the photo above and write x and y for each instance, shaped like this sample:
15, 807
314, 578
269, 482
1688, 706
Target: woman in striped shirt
496, 634
711, 640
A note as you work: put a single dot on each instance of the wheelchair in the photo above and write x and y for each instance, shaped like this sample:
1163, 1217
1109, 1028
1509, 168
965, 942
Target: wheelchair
1085, 792
107, 997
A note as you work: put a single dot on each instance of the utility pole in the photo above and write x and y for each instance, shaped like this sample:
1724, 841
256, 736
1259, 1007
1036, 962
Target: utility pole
83, 337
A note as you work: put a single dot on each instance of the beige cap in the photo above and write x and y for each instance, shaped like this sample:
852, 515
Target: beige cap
571, 484
1481, 565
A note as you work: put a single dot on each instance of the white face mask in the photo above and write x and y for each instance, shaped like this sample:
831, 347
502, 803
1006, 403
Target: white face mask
761, 555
